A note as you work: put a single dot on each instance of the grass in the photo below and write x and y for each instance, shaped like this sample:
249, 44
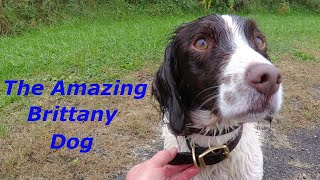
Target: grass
304, 56
4, 129
98, 50
84, 50
291, 33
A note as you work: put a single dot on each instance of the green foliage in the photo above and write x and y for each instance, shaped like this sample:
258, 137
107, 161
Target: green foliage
99, 49
161, 7
284, 7
18, 16
23, 15
218, 6
313, 5
206, 4
257, 6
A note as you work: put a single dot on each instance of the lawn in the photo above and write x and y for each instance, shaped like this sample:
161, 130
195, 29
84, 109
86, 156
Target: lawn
99, 50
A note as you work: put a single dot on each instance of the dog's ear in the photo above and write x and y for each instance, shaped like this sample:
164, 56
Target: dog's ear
165, 90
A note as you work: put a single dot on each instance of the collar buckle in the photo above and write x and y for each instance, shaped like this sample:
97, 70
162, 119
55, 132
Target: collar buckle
200, 159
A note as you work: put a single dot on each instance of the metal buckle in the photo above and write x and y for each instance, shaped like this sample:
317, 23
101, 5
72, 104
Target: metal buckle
201, 156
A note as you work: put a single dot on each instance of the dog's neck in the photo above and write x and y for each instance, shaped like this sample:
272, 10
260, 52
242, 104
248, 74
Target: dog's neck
203, 119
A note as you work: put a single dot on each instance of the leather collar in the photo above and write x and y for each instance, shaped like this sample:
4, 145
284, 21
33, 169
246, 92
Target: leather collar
200, 156
191, 130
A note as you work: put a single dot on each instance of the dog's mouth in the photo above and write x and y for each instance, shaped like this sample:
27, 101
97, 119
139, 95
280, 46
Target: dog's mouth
253, 108
265, 113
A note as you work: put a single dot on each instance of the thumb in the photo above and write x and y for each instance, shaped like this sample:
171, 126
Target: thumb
163, 157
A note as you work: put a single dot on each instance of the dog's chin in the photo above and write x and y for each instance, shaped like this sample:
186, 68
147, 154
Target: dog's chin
253, 109
252, 114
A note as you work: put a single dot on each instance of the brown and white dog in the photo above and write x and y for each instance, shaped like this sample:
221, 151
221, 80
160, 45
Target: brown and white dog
216, 81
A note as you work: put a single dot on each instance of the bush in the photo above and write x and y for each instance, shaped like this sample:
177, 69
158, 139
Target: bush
17, 16
313, 5
253, 6
21, 15
162, 7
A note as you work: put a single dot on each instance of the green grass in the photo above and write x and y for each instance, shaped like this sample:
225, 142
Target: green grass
304, 56
290, 33
102, 50
85, 50
4, 129
94, 49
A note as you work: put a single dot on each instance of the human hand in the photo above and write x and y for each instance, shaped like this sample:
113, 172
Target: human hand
157, 168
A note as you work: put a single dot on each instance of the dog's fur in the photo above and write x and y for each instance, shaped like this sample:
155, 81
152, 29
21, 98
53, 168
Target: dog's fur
208, 89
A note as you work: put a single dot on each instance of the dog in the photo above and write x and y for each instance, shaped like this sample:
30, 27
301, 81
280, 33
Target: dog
216, 82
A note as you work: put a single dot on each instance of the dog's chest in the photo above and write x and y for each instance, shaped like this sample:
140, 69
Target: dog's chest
245, 162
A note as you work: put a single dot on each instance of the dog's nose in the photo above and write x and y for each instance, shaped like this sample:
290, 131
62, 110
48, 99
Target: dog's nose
265, 78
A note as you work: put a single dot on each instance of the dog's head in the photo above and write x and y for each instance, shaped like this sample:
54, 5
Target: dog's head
219, 64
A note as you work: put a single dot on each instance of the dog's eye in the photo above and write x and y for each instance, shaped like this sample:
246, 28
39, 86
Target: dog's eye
201, 44
259, 43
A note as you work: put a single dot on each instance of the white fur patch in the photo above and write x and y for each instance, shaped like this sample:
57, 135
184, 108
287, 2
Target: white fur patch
243, 96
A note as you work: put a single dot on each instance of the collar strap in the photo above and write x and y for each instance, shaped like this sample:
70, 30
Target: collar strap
201, 157
191, 130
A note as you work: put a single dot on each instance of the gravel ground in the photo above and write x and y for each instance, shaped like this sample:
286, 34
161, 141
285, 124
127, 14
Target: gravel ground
298, 158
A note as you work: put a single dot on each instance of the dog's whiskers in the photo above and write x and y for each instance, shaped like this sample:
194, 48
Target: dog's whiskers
215, 95
208, 100
203, 92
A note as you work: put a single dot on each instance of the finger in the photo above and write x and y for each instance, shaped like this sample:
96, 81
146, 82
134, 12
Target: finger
186, 174
163, 157
170, 170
